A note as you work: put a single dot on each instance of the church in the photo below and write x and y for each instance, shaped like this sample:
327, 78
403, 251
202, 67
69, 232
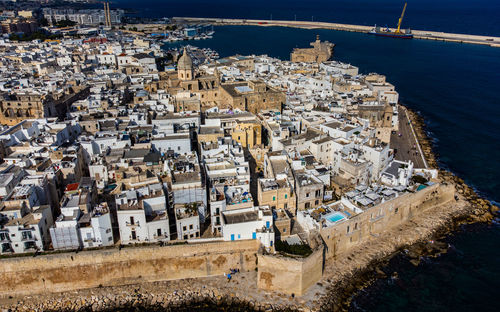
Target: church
252, 96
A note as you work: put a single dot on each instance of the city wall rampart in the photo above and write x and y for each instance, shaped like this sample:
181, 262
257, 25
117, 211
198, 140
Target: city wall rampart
87, 269
380, 218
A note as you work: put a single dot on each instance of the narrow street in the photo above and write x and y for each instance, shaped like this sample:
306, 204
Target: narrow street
404, 142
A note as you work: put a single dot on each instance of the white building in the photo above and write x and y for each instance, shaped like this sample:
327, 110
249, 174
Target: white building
249, 223
142, 215
95, 227
187, 220
29, 233
398, 173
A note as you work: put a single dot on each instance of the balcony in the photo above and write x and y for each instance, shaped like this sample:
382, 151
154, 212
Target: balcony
128, 223
160, 237
30, 246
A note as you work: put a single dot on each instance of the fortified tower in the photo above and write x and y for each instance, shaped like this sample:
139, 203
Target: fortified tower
320, 52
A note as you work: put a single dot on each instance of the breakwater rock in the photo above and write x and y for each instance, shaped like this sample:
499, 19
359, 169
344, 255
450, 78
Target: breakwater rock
201, 294
138, 300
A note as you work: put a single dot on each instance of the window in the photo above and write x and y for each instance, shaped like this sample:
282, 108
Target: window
178, 148
396, 210
158, 232
347, 229
355, 226
184, 228
307, 195
286, 196
190, 226
132, 220
185, 237
316, 202
274, 198
307, 205
284, 230
285, 206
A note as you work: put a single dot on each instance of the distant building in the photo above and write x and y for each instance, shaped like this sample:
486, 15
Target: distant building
320, 52
17, 25
82, 17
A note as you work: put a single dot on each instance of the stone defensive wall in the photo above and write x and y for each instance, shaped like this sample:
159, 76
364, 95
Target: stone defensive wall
112, 267
290, 275
383, 217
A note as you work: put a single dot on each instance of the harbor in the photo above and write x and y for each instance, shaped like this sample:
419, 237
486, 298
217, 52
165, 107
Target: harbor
417, 34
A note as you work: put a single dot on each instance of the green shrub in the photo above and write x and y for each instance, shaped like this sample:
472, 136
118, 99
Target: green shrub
299, 250
419, 179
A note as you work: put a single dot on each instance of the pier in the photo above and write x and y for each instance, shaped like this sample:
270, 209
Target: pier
417, 34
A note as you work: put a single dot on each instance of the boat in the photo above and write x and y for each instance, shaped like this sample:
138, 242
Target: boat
398, 33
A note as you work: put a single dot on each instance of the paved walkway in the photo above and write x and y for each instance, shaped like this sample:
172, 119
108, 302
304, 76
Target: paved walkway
405, 142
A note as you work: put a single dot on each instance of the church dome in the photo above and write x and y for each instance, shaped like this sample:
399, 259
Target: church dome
185, 61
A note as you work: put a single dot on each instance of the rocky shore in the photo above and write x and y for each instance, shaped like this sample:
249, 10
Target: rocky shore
427, 241
204, 294
418, 124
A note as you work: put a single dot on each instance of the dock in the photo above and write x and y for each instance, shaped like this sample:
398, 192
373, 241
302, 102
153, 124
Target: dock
417, 34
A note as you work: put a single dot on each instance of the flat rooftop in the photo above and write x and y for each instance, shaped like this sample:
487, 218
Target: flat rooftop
242, 217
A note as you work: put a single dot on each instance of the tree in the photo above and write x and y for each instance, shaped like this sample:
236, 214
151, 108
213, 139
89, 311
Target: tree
44, 22
65, 23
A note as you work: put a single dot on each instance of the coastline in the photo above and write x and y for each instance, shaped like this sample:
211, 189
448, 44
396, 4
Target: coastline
343, 277
474, 210
491, 41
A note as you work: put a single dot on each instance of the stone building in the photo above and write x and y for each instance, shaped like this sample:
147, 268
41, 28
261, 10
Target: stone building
248, 133
276, 193
320, 52
309, 191
15, 108
18, 25
252, 96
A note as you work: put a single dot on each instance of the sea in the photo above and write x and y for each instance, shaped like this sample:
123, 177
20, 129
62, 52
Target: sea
454, 86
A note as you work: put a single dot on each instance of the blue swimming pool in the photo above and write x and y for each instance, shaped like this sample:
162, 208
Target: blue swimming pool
335, 217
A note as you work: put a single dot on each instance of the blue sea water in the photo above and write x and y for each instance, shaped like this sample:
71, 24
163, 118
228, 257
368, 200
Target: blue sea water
458, 16
455, 88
